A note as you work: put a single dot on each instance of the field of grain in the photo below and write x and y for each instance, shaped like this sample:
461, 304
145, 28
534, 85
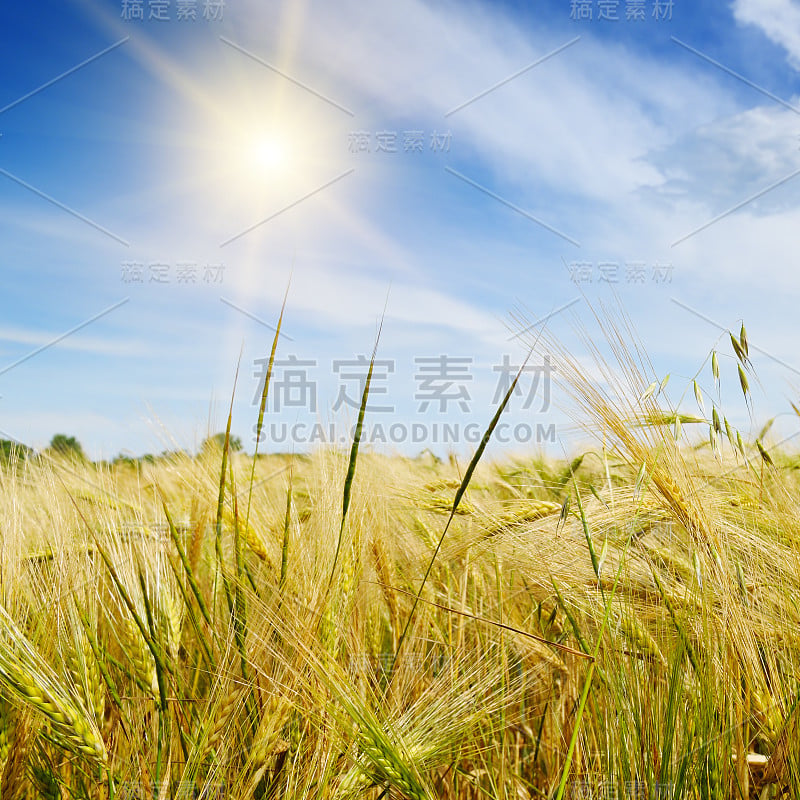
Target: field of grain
624, 623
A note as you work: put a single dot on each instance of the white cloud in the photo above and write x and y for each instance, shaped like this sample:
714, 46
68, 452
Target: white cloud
344, 297
723, 163
778, 19
577, 131
16, 335
580, 123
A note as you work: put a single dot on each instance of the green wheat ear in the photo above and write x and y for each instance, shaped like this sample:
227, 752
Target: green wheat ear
26, 675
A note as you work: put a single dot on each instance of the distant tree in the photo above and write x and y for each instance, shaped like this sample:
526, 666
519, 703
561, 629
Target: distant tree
129, 460
10, 450
170, 455
218, 441
67, 446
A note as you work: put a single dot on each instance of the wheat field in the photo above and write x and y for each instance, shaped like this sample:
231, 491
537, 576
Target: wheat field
622, 623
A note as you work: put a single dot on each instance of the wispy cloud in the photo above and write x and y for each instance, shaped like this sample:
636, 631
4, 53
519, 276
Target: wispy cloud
777, 19
16, 335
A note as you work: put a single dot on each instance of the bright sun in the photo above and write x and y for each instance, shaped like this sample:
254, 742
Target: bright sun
257, 154
269, 153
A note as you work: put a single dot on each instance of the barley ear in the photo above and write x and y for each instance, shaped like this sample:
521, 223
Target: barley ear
26, 675
135, 648
84, 671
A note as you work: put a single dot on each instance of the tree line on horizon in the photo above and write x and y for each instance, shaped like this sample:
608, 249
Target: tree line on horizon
69, 447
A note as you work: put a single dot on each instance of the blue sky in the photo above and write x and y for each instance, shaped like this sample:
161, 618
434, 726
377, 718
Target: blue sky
156, 199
